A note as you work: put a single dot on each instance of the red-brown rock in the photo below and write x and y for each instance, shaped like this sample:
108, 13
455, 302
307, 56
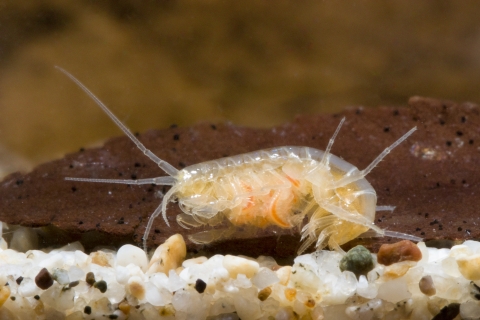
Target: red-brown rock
432, 178
404, 250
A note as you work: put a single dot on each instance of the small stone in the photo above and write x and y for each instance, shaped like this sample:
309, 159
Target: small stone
101, 285
87, 310
131, 254
283, 274
357, 260
136, 287
265, 278
264, 293
448, 312
4, 294
124, 307
61, 276
44, 279
238, 265
397, 252
290, 293
90, 278
168, 256
469, 266
200, 285
427, 286
100, 258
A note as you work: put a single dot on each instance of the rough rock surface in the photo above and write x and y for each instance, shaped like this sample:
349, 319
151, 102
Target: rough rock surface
432, 178
405, 250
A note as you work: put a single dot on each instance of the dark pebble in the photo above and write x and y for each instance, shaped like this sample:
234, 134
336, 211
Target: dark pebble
90, 278
44, 279
100, 285
200, 285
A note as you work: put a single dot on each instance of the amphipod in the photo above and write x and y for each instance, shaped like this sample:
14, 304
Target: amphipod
273, 187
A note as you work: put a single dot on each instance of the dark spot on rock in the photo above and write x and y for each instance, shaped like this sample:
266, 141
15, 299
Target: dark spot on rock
386, 129
19, 280
442, 122
426, 215
157, 231
137, 133
449, 143
36, 297
120, 174
121, 221
396, 113
200, 285
73, 284
459, 229
71, 166
418, 229
173, 126
463, 119
80, 222
13, 298
44, 279
130, 206
214, 127
87, 310
97, 225
113, 316
358, 111
181, 164
101, 285
422, 233
19, 182
176, 137
90, 278
470, 141
74, 189
134, 177
137, 164
459, 133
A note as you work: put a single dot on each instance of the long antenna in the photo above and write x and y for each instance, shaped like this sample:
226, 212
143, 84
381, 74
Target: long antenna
165, 166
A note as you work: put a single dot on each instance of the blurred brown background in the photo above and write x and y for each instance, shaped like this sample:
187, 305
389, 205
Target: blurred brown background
255, 63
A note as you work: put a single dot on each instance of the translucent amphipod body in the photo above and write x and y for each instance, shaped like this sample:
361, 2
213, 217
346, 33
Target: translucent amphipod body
273, 187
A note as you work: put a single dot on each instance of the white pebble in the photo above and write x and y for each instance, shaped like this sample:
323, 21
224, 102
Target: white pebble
236, 265
470, 310
128, 254
61, 276
28, 288
394, 290
265, 278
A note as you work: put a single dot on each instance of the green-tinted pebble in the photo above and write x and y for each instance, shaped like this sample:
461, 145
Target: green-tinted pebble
357, 260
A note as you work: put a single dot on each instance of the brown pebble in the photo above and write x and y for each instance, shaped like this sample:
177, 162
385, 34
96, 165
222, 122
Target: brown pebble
264, 293
427, 286
44, 279
124, 307
90, 278
404, 250
290, 294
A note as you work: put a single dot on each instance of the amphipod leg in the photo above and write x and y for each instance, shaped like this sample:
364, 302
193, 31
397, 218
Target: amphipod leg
357, 175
